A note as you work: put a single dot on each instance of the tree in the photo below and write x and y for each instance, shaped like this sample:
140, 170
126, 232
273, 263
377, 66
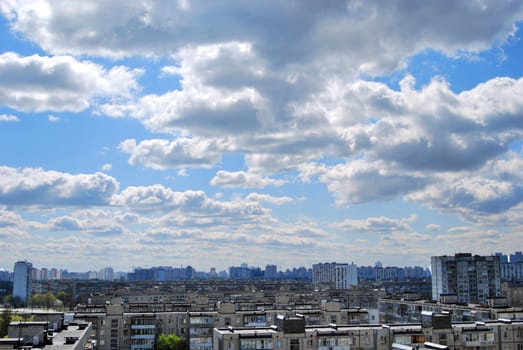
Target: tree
5, 319
46, 300
65, 298
170, 342
9, 300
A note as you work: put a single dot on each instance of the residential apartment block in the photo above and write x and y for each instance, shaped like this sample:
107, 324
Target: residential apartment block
343, 276
467, 278
435, 332
122, 325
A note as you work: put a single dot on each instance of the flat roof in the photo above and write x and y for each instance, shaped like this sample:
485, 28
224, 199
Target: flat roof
60, 337
29, 323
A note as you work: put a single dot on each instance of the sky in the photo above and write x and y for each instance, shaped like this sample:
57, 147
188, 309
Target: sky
215, 133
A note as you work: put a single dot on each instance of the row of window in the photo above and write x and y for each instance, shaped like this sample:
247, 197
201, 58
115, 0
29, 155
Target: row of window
255, 344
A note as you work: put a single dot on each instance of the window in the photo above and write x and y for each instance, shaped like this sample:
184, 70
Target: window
295, 344
255, 344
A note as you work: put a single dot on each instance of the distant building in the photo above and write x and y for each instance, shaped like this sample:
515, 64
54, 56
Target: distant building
271, 272
342, 275
22, 281
5, 275
467, 278
106, 274
240, 272
511, 270
517, 257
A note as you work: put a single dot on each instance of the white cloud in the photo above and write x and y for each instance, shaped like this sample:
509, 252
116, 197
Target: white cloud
53, 118
9, 218
243, 179
34, 186
158, 198
360, 36
8, 118
382, 225
261, 197
180, 153
489, 191
359, 181
106, 167
433, 227
59, 83
94, 222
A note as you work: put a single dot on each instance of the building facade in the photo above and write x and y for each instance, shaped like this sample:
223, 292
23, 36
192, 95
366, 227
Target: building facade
470, 279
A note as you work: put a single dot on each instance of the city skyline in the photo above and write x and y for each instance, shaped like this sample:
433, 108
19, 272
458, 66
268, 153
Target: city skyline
259, 132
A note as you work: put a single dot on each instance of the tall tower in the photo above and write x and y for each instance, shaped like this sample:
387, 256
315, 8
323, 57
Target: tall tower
22, 281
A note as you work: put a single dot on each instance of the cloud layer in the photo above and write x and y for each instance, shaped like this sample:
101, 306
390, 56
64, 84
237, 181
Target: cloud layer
313, 105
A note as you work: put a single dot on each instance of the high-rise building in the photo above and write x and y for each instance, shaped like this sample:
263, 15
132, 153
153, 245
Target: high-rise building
106, 274
470, 279
5, 275
22, 281
271, 271
517, 257
342, 275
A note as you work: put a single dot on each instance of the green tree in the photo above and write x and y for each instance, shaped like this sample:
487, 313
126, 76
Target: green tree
170, 342
8, 299
5, 319
46, 300
65, 298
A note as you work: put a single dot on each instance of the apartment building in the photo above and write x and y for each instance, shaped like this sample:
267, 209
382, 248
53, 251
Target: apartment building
118, 325
471, 279
435, 333
343, 276
410, 311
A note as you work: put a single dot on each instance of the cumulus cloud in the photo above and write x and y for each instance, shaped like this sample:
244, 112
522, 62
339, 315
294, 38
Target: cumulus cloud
99, 222
158, 198
35, 186
180, 153
490, 191
477, 195
334, 32
243, 179
432, 128
376, 225
261, 197
359, 181
283, 86
53, 119
205, 106
9, 218
59, 83
8, 118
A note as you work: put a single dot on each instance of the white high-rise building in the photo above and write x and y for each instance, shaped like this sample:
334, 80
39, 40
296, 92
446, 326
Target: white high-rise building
22, 281
342, 275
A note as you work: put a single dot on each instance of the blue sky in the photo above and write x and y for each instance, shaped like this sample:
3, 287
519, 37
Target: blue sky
213, 134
